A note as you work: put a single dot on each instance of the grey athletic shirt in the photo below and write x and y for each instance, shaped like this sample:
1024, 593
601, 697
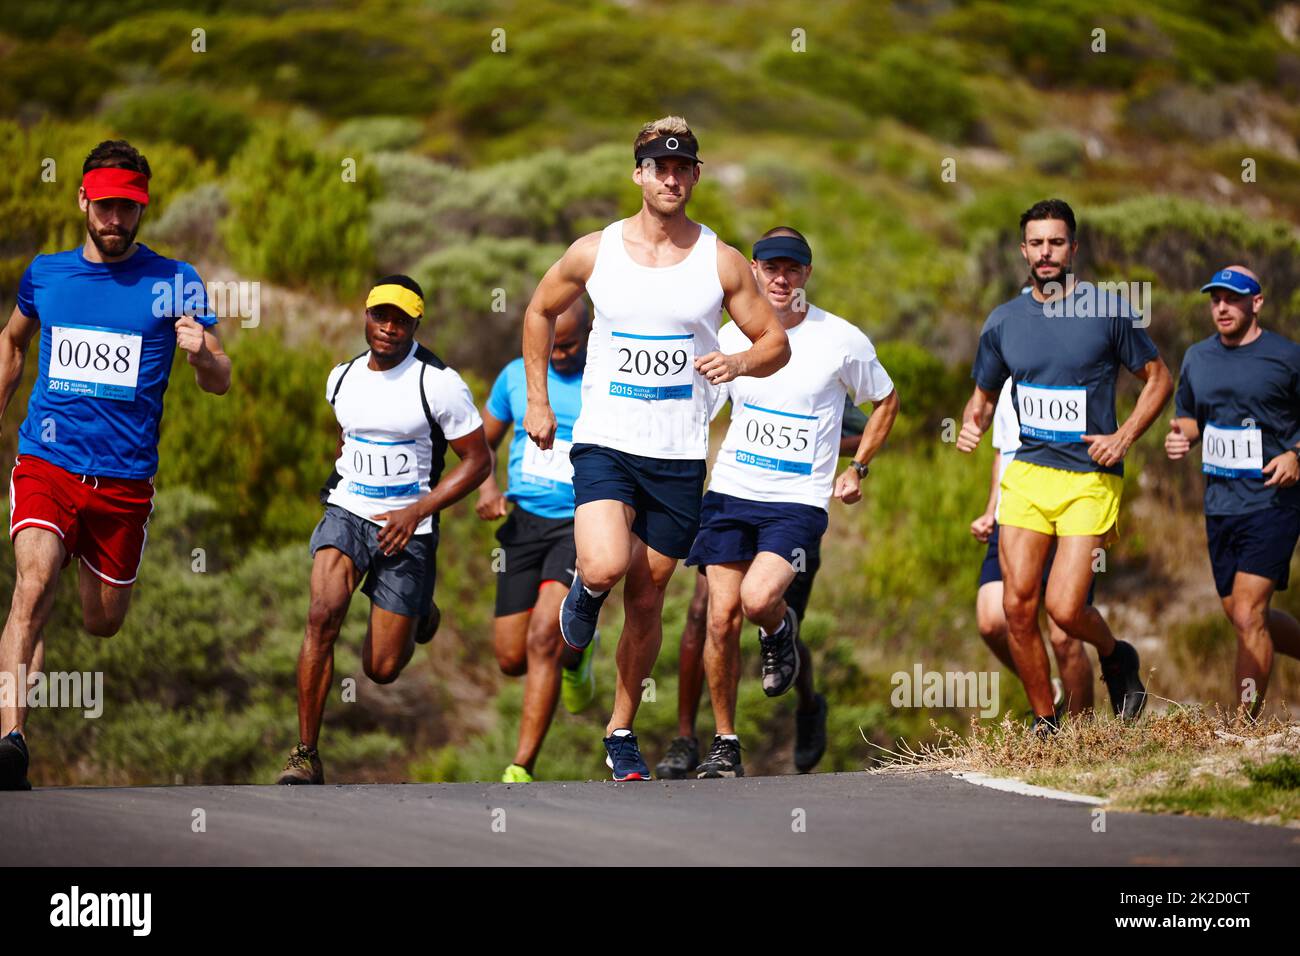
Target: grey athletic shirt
1064, 369
1249, 398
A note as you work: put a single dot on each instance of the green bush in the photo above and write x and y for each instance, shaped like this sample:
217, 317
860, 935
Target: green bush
295, 220
207, 125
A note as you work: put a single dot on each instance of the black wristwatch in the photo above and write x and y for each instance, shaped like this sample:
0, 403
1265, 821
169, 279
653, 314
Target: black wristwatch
860, 468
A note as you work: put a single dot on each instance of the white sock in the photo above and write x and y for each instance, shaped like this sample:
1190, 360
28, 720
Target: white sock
730, 737
762, 630
592, 593
621, 732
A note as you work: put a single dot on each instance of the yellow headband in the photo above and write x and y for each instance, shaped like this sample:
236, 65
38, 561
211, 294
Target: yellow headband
398, 295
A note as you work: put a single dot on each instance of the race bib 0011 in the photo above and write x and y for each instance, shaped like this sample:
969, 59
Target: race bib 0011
375, 469
653, 367
776, 441
547, 467
1052, 412
1232, 452
92, 361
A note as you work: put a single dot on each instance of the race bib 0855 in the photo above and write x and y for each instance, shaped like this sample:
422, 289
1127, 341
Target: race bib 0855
777, 441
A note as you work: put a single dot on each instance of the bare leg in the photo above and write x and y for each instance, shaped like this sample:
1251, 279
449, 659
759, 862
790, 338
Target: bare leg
333, 579
991, 620
546, 652
1022, 554
643, 628
690, 664
722, 648
38, 555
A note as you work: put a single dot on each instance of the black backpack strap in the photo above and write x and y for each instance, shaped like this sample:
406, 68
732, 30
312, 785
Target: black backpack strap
424, 399
339, 384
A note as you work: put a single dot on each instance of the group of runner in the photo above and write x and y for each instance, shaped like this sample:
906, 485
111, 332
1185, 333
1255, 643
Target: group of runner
607, 463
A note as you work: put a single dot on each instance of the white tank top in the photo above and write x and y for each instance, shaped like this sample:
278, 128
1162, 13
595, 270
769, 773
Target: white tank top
640, 391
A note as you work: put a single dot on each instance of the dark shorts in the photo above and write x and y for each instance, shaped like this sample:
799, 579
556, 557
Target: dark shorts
537, 550
401, 583
991, 571
1261, 542
665, 492
800, 589
736, 529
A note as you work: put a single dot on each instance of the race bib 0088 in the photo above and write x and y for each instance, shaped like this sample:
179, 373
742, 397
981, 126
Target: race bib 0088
92, 361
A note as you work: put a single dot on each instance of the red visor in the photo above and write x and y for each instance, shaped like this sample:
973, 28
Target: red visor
116, 184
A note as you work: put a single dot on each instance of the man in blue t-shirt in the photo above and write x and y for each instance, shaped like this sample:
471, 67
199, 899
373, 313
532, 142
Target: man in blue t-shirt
1239, 396
111, 315
1062, 346
537, 565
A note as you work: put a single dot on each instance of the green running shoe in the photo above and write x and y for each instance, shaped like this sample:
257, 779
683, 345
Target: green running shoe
578, 686
516, 774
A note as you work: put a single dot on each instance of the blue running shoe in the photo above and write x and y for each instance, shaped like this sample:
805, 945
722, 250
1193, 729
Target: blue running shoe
578, 615
624, 757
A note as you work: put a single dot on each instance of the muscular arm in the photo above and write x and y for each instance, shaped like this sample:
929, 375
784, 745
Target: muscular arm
769, 348
558, 290
15, 338
212, 365
474, 466
883, 414
1107, 450
494, 429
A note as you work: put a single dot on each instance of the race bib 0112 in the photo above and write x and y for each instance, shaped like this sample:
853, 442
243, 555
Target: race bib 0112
1232, 452
652, 367
376, 469
1057, 413
92, 361
776, 441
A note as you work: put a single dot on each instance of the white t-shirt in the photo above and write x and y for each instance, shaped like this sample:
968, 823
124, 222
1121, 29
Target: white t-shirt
784, 438
393, 448
1006, 435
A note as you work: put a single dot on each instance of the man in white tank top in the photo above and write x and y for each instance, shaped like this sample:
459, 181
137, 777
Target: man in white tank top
659, 283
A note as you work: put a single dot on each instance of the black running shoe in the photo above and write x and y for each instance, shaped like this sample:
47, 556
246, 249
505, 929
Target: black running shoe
780, 656
723, 760
683, 756
1122, 673
810, 737
14, 760
1044, 727
428, 626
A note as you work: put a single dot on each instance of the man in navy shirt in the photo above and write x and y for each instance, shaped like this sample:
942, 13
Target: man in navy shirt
1063, 352
111, 315
1239, 397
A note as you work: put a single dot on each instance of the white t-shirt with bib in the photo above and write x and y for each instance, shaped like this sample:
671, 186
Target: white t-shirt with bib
392, 447
640, 391
784, 439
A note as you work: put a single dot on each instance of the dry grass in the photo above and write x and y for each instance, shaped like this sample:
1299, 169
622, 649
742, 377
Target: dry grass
1185, 760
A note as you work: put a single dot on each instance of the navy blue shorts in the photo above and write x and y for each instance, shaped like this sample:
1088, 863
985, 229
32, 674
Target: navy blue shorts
799, 592
736, 529
665, 492
1261, 542
991, 570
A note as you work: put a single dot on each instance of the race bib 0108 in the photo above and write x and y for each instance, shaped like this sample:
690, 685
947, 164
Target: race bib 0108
1056, 413
653, 367
547, 467
375, 469
92, 361
776, 441
1232, 452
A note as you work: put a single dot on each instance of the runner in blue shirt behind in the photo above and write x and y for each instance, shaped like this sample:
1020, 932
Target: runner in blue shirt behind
538, 560
1239, 396
111, 315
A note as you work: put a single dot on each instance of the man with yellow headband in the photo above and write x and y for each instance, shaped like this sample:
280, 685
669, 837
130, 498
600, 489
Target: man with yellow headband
398, 408
1062, 350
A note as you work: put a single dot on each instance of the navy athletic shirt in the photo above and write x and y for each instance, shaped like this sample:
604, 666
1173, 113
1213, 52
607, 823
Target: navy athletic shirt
1249, 398
107, 342
1064, 369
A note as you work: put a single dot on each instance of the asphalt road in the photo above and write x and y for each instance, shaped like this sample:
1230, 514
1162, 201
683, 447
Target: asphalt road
821, 819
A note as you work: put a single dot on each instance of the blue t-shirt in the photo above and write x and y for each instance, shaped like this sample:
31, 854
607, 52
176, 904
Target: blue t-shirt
1255, 385
529, 488
109, 330
1064, 368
